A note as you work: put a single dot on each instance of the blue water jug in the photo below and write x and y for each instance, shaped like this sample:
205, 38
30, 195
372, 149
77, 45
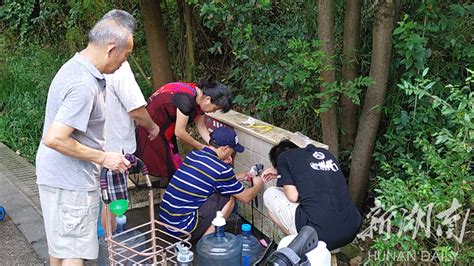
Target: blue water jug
219, 248
250, 246
3, 213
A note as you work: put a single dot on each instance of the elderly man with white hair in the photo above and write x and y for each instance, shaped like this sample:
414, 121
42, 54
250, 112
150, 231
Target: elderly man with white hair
71, 151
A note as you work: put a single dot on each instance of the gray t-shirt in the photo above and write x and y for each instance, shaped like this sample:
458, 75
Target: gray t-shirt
75, 98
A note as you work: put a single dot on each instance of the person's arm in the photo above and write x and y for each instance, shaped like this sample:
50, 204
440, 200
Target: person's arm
58, 137
180, 130
291, 193
143, 118
285, 179
269, 174
241, 176
202, 129
249, 194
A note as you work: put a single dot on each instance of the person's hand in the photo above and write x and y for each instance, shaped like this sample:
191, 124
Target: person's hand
229, 160
241, 177
269, 174
153, 133
115, 162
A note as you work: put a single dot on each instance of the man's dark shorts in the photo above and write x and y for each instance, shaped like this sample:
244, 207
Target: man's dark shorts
207, 213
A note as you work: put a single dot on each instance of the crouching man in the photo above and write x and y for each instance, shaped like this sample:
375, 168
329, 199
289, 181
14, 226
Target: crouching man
205, 184
311, 190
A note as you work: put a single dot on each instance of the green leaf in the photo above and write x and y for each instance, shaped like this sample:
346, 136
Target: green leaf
398, 30
425, 71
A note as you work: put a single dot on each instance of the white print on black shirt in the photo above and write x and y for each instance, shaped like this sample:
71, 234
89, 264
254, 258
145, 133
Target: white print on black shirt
319, 155
324, 166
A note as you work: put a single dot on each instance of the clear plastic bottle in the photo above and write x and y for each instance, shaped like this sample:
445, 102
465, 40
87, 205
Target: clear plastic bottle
121, 221
250, 246
219, 248
184, 256
133, 239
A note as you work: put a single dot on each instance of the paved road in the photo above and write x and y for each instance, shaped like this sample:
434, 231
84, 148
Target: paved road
22, 236
14, 248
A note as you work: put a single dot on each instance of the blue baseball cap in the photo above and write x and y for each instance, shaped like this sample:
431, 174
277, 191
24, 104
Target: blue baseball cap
225, 136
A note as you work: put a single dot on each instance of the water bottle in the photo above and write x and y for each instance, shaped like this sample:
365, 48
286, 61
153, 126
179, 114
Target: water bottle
250, 246
184, 256
133, 239
121, 221
220, 248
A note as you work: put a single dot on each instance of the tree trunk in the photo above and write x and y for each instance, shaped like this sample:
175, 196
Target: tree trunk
326, 35
156, 42
350, 69
370, 116
181, 55
36, 9
189, 42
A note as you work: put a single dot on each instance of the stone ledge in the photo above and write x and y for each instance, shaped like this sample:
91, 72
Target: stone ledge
261, 130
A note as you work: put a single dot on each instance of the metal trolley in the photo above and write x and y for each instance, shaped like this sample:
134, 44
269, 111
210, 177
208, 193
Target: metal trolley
159, 247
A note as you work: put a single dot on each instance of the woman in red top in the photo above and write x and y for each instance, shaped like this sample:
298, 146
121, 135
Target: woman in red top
172, 107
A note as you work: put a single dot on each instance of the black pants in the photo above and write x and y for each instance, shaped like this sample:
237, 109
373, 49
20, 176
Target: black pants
207, 213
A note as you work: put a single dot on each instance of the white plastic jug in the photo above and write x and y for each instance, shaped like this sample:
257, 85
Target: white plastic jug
320, 256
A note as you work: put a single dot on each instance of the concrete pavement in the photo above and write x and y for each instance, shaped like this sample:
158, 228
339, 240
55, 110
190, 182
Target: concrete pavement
14, 248
22, 236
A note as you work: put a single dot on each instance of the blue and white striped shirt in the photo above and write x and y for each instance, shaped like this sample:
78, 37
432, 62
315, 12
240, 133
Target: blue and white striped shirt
201, 175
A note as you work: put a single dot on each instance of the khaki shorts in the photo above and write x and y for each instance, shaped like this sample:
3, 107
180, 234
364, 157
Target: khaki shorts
278, 204
70, 220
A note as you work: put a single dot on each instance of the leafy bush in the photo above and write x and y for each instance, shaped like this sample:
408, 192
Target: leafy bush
260, 36
433, 167
276, 60
424, 152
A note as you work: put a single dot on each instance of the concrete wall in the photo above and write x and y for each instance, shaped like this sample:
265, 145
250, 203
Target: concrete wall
257, 140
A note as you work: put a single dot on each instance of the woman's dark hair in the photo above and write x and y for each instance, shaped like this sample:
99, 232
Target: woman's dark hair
276, 150
220, 94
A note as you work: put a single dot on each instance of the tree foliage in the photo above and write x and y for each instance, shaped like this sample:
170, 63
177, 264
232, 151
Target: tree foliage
269, 53
424, 154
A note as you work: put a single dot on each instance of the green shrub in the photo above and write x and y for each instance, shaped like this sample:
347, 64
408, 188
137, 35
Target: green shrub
424, 151
427, 163
276, 60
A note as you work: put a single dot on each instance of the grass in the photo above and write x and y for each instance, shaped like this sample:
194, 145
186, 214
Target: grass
26, 72
25, 75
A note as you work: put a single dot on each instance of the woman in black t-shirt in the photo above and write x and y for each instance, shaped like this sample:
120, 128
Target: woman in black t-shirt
311, 190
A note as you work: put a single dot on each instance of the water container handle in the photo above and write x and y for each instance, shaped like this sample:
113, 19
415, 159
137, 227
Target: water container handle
295, 253
305, 241
134, 161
